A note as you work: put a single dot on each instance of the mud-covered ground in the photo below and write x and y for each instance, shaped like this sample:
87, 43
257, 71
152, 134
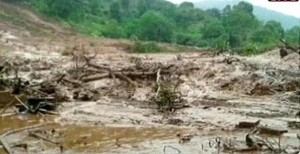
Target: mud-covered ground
115, 113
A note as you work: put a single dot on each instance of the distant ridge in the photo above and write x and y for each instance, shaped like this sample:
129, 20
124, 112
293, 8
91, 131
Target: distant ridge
261, 13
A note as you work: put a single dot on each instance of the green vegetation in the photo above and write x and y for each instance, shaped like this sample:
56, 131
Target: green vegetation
261, 13
146, 47
233, 28
167, 97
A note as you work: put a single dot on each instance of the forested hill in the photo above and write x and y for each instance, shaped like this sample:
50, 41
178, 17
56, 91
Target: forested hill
159, 20
266, 15
261, 13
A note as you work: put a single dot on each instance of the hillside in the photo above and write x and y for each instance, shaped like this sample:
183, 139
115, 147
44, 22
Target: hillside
261, 13
162, 21
62, 91
21, 17
266, 15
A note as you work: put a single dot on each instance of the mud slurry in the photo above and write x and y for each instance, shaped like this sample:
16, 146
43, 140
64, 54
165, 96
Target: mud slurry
80, 139
121, 118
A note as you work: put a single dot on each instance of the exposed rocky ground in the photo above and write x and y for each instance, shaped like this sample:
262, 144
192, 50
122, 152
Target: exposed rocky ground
106, 95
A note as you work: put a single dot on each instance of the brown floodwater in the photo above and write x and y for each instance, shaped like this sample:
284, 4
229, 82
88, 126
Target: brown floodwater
17, 121
114, 139
82, 139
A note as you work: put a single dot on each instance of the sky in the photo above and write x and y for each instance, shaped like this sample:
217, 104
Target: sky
289, 8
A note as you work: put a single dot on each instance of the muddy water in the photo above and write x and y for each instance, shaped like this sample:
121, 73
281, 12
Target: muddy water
80, 139
117, 139
15, 122
104, 139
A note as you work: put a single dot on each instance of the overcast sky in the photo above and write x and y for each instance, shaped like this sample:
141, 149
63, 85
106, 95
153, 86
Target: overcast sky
290, 8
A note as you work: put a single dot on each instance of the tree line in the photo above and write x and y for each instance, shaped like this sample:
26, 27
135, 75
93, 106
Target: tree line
234, 27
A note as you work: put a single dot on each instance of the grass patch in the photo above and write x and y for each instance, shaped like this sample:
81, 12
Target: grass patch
5, 16
255, 49
146, 47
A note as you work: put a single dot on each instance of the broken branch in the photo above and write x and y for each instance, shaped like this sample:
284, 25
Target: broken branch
98, 66
49, 112
21, 102
126, 78
75, 83
168, 146
23, 129
42, 137
158, 83
288, 46
96, 77
6, 146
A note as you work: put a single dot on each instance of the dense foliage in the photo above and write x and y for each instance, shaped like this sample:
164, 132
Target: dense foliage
159, 20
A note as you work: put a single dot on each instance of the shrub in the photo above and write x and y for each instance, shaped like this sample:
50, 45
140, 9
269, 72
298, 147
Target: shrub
166, 98
251, 49
255, 48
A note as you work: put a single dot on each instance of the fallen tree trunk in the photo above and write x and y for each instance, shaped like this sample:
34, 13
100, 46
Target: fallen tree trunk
98, 66
75, 83
271, 131
129, 75
122, 75
95, 77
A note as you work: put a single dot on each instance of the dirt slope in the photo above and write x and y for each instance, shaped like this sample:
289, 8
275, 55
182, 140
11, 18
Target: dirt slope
27, 18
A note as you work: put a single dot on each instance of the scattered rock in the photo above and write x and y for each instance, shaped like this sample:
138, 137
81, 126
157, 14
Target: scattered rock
206, 107
248, 124
297, 114
175, 121
283, 52
294, 97
83, 95
261, 90
294, 124
184, 138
